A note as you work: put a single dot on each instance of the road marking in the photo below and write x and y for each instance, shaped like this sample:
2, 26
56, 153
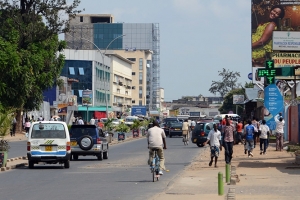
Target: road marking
88, 172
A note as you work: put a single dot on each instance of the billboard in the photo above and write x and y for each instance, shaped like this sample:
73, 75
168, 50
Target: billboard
238, 99
278, 17
138, 110
87, 98
274, 104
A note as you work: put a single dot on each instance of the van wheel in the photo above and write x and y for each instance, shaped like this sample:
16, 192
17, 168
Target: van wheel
105, 155
100, 156
67, 164
75, 156
200, 145
30, 164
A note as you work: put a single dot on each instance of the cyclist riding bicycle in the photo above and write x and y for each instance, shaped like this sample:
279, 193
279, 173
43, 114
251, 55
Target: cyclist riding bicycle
185, 130
156, 138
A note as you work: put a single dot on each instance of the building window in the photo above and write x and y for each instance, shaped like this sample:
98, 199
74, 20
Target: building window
81, 18
126, 92
141, 64
118, 91
81, 71
133, 101
80, 93
132, 59
140, 102
133, 73
140, 92
141, 78
71, 71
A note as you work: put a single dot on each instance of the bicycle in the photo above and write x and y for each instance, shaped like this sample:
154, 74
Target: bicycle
185, 139
155, 166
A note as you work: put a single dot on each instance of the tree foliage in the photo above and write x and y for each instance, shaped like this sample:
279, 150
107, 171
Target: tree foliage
228, 82
28, 49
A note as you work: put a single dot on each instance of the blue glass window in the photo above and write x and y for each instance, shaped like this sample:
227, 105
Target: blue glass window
71, 71
80, 93
81, 71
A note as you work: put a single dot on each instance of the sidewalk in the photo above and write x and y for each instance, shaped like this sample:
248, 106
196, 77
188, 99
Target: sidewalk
271, 176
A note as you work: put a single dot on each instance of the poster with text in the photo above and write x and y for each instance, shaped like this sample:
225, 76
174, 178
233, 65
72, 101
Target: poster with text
267, 17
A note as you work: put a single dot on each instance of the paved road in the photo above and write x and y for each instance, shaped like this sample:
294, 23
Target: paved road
18, 148
124, 175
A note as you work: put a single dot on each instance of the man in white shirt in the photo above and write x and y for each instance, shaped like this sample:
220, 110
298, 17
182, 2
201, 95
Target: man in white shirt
214, 137
279, 131
92, 121
80, 121
264, 131
156, 138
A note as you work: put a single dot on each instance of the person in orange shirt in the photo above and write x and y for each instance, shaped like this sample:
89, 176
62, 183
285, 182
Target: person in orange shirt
239, 130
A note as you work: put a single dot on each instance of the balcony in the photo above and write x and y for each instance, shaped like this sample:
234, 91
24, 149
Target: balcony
128, 87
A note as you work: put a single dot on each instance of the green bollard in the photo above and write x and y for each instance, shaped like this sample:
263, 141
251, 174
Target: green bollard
227, 172
220, 184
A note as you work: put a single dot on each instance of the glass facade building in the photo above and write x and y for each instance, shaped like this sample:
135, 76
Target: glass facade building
138, 36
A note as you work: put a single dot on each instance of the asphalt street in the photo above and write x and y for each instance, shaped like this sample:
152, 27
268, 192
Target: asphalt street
124, 175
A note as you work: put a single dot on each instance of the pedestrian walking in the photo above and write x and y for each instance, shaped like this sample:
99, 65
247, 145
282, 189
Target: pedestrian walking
80, 121
92, 121
249, 136
255, 123
239, 129
27, 125
279, 131
14, 125
228, 141
214, 139
264, 130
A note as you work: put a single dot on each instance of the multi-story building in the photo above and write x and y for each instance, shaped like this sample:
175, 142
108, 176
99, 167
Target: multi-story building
140, 39
121, 83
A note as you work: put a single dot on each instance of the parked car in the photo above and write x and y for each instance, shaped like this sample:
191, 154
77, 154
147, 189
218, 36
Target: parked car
129, 120
116, 121
88, 140
175, 128
48, 142
200, 132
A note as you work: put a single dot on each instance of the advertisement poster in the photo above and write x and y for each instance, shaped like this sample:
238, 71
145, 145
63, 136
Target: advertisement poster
273, 105
238, 99
87, 98
267, 17
62, 108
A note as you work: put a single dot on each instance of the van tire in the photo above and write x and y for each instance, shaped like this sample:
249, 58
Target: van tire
30, 164
105, 154
100, 156
86, 148
67, 164
75, 156
200, 145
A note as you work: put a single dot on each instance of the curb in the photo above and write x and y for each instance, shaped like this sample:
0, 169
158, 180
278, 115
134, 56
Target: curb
234, 178
3, 169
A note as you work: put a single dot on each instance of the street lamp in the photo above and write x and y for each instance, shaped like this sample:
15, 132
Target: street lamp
102, 54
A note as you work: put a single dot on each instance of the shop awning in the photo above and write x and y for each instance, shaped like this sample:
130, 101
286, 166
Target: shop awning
93, 108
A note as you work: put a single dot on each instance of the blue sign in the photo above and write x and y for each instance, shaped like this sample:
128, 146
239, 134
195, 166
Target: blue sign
250, 76
138, 110
274, 104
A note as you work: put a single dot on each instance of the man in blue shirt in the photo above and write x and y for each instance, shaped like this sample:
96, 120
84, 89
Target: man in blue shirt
249, 132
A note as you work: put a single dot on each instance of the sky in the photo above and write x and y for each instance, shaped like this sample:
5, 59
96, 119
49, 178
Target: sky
198, 38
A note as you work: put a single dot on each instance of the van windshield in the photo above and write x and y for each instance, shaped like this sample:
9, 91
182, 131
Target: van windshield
48, 131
